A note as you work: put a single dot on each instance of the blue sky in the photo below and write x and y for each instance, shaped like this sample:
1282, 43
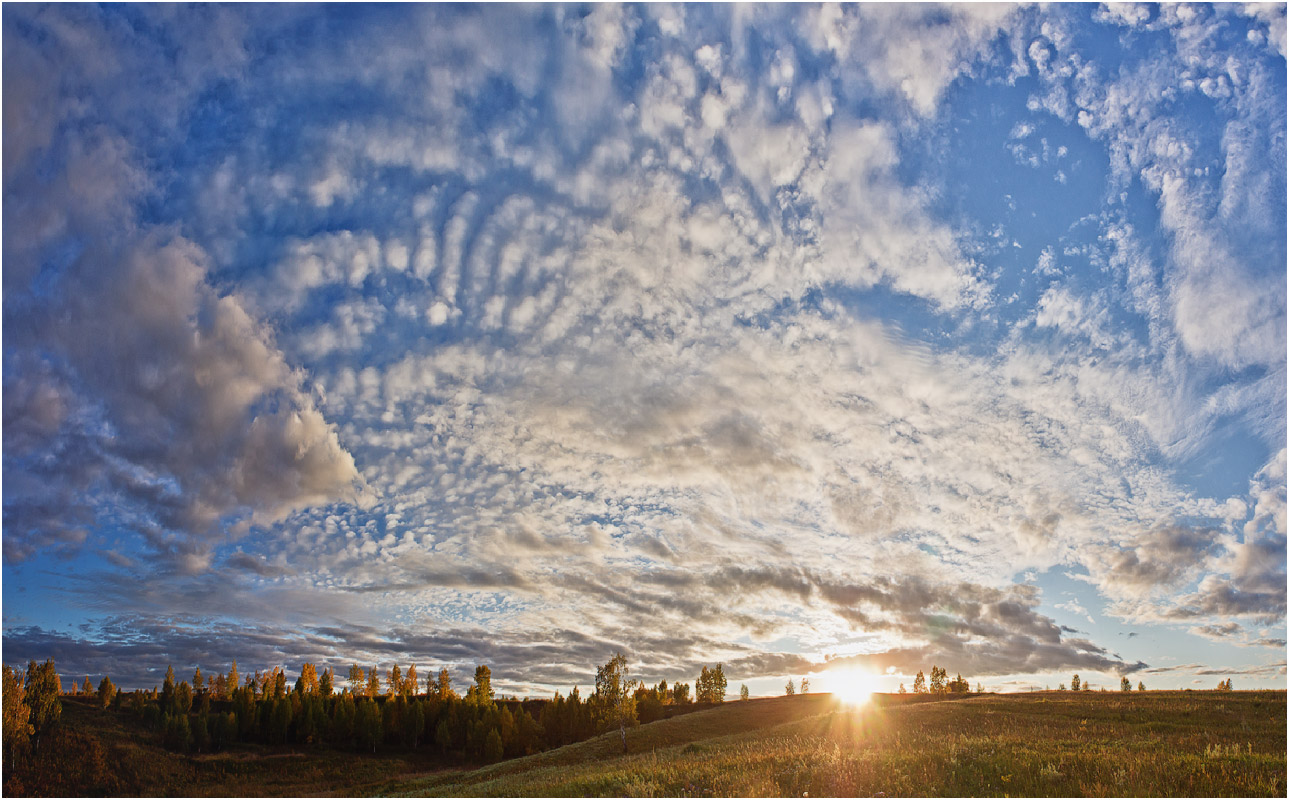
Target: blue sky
797, 338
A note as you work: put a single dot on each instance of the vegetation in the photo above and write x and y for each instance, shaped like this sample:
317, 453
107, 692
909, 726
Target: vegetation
1043, 744
214, 737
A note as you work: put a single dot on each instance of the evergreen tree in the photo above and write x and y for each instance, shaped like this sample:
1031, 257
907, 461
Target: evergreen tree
198, 681
234, 679
168, 690
106, 692
87, 688
325, 687
368, 724
309, 678
482, 689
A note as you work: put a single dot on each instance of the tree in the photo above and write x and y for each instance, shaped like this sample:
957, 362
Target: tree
373, 682
357, 680
86, 688
938, 683
919, 683
368, 725
711, 685
410, 685
615, 704
903, 690
17, 725
1061, 687
106, 692
680, 693
443, 688
980, 687
958, 685
168, 689
198, 680
394, 681
1125, 684
309, 679
1141, 686
742, 692
233, 678
481, 693
1087, 686
43, 689
805, 685
1075, 684
325, 687
790, 688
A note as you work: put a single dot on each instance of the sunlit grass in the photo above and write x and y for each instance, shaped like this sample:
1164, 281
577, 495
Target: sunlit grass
1043, 745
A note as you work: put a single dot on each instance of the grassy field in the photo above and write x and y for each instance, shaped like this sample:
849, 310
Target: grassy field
1187, 744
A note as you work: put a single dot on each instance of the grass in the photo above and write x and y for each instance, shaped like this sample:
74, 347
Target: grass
1185, 744
1181, 744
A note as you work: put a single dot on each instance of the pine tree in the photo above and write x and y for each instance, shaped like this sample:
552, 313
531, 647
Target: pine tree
308, 679
106, 692
234, 680
482, 689
198, 681
325, 687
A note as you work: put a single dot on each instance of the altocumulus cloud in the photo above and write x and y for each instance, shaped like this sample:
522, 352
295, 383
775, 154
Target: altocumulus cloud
353, 333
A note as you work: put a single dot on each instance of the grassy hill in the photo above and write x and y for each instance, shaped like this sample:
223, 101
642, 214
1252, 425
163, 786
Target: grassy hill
1187, 744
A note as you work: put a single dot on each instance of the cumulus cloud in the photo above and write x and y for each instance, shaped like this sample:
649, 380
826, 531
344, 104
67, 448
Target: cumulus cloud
654, 330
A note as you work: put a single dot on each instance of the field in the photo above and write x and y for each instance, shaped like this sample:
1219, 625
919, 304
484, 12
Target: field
1188, 744
1044, 744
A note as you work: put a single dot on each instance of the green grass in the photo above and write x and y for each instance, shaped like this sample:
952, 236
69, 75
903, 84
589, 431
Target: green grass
1046, 744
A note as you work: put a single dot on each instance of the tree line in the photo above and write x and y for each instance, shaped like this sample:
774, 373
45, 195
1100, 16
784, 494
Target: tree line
367, 714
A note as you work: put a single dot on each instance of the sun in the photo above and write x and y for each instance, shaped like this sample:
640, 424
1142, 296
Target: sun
853, 687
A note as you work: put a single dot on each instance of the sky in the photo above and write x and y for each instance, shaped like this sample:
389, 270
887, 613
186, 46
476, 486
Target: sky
800, 339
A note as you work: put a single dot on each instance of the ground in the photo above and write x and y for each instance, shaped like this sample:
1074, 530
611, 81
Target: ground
1183, 744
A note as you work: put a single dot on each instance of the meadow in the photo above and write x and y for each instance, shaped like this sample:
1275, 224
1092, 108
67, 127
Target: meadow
1157, 743
1151, 744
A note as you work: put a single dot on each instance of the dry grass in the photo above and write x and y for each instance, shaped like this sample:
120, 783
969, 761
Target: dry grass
1184, 744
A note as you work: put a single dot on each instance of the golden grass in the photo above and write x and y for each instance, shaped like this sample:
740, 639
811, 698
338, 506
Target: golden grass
1184, 744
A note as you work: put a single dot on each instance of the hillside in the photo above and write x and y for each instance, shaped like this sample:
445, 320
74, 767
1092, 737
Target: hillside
1184, 744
